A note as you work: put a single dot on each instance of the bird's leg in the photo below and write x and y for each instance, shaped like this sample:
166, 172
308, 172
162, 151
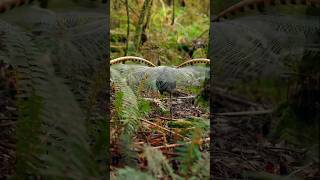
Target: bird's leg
170, 99
171, 116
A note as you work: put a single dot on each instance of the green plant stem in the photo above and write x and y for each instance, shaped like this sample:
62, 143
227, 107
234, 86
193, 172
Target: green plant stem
173, 12
128, 27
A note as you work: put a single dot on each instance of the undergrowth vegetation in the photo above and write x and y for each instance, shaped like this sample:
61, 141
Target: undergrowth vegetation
154, 136
59, 79
266, 86
55, 90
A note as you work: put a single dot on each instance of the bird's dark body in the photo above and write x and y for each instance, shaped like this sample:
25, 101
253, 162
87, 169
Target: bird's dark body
166, 83
165, 86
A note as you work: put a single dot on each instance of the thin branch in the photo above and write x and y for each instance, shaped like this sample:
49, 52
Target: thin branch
225, 94
286, 149
245, 113
169, 146
165, 129
167, 119
298, 170
182, 97
8, 124
179, 145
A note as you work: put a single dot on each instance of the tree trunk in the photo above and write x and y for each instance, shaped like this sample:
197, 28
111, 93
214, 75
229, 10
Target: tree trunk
144, 36
139, 27
211, 57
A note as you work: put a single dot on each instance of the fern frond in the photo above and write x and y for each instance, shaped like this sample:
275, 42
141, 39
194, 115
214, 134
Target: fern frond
130, 111
130, 173
81, 38
260, 45
65, 131
158, 165
269, 176
190, 153
28, 143
65, 149
201, 169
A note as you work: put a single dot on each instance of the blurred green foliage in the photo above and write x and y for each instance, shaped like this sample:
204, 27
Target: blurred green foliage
163, 39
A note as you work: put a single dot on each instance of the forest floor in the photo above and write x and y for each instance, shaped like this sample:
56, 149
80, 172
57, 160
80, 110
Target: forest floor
241, 144
156, 132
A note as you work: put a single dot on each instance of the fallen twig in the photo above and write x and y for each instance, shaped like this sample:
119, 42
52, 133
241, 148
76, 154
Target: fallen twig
178, 145
169, 146
225, 94
168, 130
168, 119
245, 113
285, 149
298, 170
7, 145
8, 123
8, 118
182, 97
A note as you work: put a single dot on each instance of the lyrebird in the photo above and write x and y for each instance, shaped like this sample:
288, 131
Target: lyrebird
164, 79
